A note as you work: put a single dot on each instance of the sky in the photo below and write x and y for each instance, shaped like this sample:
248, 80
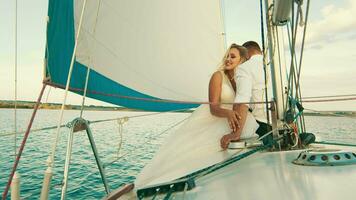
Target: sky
328, 64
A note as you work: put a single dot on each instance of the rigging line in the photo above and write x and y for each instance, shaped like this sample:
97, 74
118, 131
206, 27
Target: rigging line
328, 100
268, 24
15, 95
302, 51
290, 77
222, 15
23, 143
149, 139
290, 82
303, 42
33, 130
53, 150
98, 121
85, 90
90, 62
335, 143
105, 120
264, 64
49, 91
143, 115
150, 99
290, 49
293, 79
120, 130
296, 68
320, 97
293, 55
273, 41
332, 114
270, 46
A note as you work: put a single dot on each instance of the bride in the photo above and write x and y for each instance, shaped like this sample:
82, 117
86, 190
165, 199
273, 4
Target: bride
196, 144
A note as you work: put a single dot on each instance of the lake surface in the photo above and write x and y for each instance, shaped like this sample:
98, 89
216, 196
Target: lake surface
141, 137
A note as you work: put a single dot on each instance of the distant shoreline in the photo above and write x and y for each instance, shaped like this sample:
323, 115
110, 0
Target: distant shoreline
57, 106
6, 104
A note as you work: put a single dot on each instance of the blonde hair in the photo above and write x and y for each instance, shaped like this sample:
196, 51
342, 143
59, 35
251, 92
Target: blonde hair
243, 55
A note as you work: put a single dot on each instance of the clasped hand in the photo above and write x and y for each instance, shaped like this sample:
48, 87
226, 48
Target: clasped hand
233, 118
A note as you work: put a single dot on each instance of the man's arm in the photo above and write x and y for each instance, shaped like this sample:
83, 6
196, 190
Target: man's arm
243, 95
242, 109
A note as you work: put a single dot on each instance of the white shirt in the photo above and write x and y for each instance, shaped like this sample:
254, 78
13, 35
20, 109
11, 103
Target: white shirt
250, 86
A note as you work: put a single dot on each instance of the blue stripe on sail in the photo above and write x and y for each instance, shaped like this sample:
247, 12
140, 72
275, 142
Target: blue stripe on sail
60, 41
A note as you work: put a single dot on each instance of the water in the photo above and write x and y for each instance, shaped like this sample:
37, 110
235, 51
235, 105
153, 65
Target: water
141, 138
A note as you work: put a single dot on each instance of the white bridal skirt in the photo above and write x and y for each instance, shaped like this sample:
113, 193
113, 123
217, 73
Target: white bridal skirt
195, 145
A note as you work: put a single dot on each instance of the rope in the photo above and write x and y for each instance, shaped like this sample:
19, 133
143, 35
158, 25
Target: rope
147, 141
296, 135
120, 123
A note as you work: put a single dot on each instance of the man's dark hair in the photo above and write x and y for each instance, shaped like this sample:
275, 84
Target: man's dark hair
252, 45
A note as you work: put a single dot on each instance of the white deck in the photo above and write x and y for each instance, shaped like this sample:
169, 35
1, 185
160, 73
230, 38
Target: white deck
272, 175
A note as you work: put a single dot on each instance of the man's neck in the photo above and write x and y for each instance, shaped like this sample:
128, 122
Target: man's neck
253, 54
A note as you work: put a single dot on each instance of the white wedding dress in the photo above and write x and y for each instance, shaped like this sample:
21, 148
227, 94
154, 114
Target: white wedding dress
195, 145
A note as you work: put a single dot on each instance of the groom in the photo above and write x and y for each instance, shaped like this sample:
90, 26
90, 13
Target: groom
250, 87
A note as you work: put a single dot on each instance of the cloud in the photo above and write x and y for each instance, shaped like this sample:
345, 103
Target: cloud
316, 47
335, 24
352, 37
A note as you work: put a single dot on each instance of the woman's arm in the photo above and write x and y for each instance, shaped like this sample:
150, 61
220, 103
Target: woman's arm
214, 98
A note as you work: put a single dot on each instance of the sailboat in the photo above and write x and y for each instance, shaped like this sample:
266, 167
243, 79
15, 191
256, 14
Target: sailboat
159, 56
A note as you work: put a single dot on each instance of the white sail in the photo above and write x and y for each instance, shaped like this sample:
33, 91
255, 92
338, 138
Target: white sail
157, 47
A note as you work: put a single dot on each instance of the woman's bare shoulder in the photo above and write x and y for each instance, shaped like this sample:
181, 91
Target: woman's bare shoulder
217, 75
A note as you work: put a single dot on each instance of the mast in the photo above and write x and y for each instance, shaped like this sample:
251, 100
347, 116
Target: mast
277, 15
